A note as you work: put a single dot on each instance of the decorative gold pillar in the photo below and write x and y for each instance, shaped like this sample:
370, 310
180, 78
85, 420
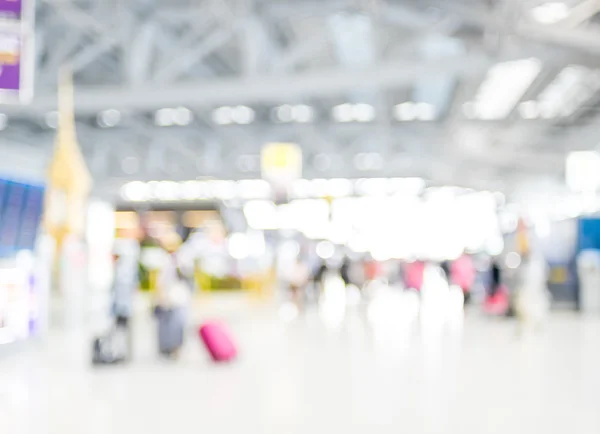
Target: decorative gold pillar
69, 180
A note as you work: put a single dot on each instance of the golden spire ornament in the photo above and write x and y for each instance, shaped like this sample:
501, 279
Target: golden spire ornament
69, 180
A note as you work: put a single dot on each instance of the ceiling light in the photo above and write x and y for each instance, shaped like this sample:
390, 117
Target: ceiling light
529, 110
108, 118
583, 171
550, 13
164, 117
339, 187
222, 116
343, 113
546, 110
405, 111
254, 189
191, 190
182, 116
261, 214
242, 115
303, 113
503, 87
573, 86
136, 191
283, 113
51, 119
167, 190
363, 112
425, 111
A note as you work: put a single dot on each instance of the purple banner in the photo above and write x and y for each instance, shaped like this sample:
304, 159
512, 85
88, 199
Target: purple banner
10, 61
11, 9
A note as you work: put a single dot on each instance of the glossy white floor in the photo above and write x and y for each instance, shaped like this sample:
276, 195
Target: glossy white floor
312, 374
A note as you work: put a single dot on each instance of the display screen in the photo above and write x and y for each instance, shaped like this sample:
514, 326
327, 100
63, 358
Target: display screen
20, 214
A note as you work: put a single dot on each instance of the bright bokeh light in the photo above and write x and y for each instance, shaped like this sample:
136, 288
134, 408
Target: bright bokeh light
512, 260
239, 246
550, 12
261, 214
325, 250
583, 171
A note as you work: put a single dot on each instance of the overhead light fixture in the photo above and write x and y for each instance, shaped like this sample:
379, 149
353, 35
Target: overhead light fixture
529, 110
108, 118
242, 115
167, 190
283, 113
343, 113
550, 12
363, 112
354, 112
410, 111
222, 116
425, 111
303, 113
182, 116
405, 111
582, 172
574, 85
136, 191
503, 87
300, 113
164, 117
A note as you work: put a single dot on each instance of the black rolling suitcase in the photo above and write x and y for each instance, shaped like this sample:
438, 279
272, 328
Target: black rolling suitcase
112, 348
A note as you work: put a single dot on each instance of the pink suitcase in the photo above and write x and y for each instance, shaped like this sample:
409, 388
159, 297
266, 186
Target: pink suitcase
218, 341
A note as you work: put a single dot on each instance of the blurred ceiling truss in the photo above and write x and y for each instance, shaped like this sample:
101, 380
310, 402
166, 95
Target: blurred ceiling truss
139, 56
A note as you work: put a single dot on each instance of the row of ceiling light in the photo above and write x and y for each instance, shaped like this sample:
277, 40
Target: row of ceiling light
139, 191
283, 114
506, 83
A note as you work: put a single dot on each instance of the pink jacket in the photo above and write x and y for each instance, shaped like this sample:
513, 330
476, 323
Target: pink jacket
413, 274
462, 272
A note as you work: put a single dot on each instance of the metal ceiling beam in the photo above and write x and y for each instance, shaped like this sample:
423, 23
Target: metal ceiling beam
581, 38
262, 89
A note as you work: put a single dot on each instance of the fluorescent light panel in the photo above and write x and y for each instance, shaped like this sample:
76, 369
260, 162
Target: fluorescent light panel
573, 86
503, 87
550, 12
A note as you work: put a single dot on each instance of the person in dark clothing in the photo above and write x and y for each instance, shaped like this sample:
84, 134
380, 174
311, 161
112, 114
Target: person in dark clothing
345, 271
445, 266
496, 280
320, 273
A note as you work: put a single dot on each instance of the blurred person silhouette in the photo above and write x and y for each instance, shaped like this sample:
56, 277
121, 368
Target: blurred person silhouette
462, 274
298, 281
413, 275
445, 266
172, 301
125, 283
496, 277
532, 298
345, 271
116, 345
318, 277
